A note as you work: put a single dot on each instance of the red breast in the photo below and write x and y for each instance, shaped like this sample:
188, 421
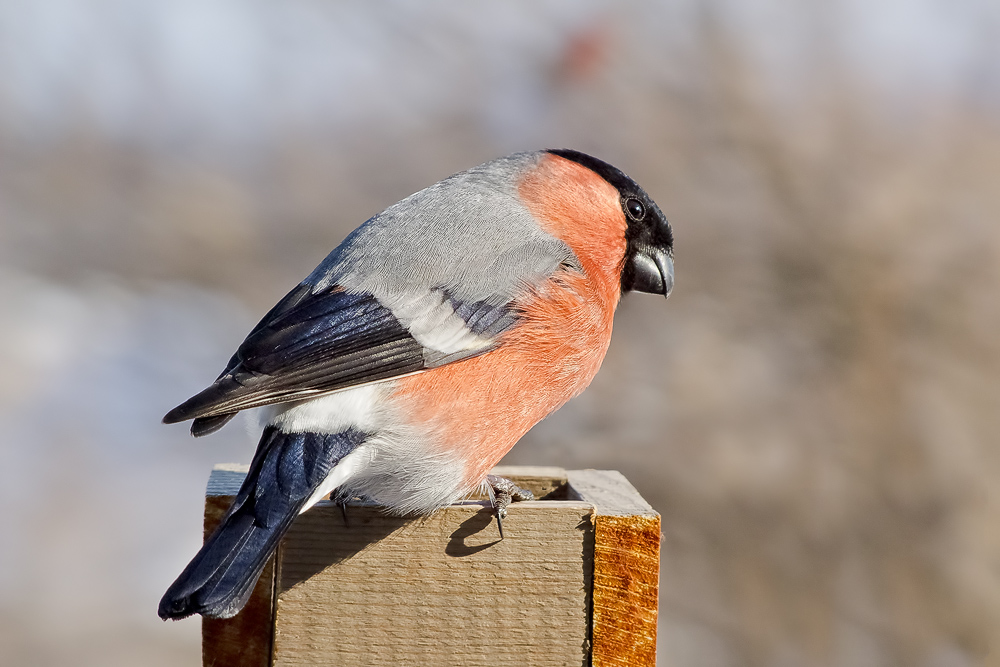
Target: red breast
480, 407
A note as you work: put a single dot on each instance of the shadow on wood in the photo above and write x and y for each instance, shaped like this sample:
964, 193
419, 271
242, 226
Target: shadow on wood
478, 522
574, 582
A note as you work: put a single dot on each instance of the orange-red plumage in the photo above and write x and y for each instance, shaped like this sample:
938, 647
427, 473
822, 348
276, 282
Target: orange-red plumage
480, 407
576, 205
422, 348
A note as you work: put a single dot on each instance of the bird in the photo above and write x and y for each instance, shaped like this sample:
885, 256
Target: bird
421, 349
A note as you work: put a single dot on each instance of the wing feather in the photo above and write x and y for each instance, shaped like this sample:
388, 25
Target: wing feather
315, 343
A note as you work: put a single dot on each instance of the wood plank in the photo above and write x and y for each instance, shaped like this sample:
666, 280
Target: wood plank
245, 639
440, 590
626, 561
575, 581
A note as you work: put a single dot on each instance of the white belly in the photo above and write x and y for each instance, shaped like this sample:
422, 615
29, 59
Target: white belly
399, 466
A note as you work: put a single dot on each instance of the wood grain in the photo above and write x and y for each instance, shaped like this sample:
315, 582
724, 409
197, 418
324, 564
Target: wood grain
574, 582
441, 590
626, 572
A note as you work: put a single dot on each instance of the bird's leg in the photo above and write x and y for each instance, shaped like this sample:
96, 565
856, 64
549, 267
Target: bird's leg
503, 492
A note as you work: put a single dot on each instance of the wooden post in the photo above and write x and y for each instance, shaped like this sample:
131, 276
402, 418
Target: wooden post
574, 582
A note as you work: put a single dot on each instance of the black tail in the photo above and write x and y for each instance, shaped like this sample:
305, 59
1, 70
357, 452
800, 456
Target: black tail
286, 469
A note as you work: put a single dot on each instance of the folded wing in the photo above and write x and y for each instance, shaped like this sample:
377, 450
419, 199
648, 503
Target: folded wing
313, 343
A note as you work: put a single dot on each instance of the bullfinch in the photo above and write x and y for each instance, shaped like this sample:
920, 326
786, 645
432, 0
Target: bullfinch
406, 365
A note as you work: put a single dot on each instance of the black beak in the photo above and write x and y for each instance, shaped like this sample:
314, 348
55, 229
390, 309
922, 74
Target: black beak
653, 270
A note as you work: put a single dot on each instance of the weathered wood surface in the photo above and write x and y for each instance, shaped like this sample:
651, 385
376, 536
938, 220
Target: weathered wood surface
443, 590
573, 583
626, 574
245, 639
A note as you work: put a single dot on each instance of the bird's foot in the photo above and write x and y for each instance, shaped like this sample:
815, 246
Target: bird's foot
503, 493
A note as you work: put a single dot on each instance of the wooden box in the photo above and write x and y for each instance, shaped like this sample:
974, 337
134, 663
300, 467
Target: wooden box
574, 582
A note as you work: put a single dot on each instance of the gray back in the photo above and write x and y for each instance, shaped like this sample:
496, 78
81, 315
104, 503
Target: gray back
468, 234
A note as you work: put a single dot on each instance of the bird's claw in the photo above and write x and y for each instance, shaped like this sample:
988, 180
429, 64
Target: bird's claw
503, 493
342, 504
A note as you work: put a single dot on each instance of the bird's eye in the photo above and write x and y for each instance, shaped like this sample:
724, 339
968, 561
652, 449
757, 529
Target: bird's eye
635, 208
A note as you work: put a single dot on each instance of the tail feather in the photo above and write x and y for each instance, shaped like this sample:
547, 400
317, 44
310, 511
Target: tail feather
286, 469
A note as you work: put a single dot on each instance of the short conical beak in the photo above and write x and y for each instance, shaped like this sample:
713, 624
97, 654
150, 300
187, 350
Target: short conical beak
654, 271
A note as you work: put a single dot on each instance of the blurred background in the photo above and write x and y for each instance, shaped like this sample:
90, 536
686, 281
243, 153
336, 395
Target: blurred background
815, 411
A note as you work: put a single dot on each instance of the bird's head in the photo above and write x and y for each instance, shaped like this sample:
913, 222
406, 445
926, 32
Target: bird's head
645, 254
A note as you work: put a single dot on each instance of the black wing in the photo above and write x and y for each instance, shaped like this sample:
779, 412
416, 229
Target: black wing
285, 471
315, 343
